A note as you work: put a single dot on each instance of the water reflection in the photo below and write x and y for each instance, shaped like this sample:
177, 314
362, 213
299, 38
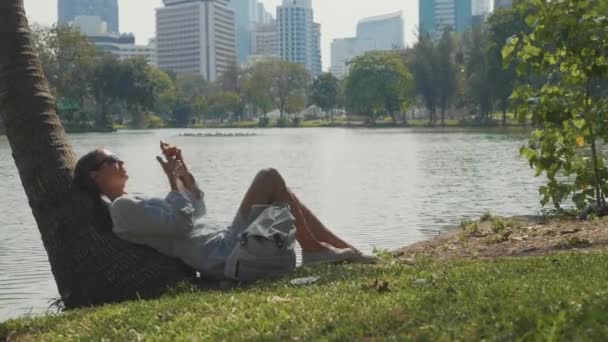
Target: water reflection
377, 188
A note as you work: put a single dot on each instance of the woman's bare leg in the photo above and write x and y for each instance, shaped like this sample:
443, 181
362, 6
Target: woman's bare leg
268, 187
317, 228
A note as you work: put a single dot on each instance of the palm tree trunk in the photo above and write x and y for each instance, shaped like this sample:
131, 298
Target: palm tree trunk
90, 265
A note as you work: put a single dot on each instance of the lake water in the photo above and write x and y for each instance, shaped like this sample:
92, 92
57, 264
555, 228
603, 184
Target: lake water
377, 188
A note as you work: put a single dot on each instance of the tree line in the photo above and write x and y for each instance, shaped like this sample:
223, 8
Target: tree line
95, 88
459, 72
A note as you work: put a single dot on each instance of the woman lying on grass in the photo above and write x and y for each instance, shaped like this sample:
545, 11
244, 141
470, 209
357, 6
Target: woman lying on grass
172, 225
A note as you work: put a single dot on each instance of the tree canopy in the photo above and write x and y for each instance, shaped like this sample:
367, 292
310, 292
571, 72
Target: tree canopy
378, 82
568, 45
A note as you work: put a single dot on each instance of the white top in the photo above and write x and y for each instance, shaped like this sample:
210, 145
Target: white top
172, 227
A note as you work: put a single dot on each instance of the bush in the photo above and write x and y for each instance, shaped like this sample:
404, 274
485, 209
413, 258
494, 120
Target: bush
155, 121
282, 122
263, 121
311, 116
295, 122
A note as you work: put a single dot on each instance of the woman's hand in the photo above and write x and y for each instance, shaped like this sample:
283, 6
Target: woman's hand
173, 169
173, 152
170, 151
178, 168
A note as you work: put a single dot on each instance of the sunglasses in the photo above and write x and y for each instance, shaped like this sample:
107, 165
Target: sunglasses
110, 159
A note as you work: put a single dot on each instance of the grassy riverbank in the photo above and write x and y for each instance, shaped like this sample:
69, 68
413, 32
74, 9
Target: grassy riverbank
552, 297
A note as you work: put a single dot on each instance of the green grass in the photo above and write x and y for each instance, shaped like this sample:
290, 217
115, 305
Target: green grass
559, 297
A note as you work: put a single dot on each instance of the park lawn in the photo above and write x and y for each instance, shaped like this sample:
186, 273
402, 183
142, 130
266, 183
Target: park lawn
554, 297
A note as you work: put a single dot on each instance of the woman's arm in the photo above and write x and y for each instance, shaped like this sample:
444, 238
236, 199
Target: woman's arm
186, 183
148, 218
196, 195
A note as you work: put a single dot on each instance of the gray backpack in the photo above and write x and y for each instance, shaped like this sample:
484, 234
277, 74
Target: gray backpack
266, 247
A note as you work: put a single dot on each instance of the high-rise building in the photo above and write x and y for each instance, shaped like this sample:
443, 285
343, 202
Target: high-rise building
245, 15
481, 7
264, 40
107, 10
298, 34
249, 14
481, 11
317, 63
379, 33
196, 36
343, 50
120, 45
503, 4
437, 15
385, 31
263, 16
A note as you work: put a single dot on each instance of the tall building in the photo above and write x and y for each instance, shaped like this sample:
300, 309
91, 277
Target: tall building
379, 33
245, 15
249, 14
263, 16
481, 7
436, 15
196, 36
343, 50
264, 40
107, 10
481, 11
385, 31
120, 45
298, 34
317, 64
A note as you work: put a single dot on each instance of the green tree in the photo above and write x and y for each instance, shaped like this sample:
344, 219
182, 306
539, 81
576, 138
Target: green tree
183, 112
232, 81
446, 70
503, 24
479, 80
288, 79
165, 92
378, 82
137, 89
423, 65
257, 87
68, 59
223, 104
192, 90
106, 87
296, 103
324, 93
191, 86
128, 82
569, 44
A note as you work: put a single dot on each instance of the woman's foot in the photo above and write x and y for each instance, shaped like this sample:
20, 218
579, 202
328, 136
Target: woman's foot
331, 255
361, 258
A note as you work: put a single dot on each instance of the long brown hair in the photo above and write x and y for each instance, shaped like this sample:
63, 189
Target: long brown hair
83, 182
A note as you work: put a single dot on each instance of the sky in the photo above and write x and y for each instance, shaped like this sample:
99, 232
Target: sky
338, 18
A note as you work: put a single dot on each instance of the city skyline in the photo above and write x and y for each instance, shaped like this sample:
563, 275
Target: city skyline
137, 16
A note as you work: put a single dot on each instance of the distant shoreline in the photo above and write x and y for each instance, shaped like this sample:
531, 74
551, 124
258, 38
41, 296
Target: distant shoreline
422, 125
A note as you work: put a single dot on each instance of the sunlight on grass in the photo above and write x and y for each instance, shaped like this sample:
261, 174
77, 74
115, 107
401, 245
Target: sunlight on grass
554, 297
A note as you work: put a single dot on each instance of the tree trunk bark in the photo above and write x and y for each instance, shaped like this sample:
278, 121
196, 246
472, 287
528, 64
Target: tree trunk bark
90, 265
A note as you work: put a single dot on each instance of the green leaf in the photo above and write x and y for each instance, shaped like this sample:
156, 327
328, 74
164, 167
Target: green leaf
531, 19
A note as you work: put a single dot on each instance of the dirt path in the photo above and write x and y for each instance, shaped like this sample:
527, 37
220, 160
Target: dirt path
494, 237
